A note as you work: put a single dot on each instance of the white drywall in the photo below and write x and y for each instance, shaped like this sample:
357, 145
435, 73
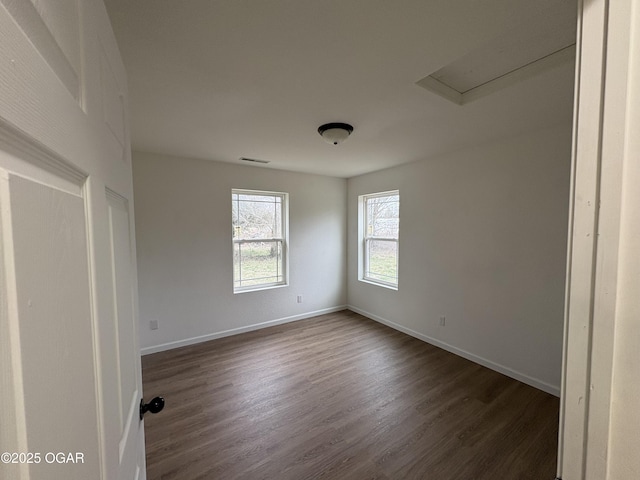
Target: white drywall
483, 236
183, 228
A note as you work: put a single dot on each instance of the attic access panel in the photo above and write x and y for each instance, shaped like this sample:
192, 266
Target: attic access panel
545, 41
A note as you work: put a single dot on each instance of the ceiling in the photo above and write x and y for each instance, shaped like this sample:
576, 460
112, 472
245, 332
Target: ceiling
224, 79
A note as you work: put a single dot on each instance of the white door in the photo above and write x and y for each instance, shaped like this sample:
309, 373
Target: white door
69, 358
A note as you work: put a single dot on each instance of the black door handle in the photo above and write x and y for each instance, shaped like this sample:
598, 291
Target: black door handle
154, 406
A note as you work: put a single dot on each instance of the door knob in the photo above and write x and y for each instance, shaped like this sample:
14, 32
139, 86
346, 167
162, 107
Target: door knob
154, 406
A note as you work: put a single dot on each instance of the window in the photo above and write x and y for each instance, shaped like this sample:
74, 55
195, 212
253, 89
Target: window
380, 222
259, 239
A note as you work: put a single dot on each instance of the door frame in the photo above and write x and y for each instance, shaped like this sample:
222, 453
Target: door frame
601, 267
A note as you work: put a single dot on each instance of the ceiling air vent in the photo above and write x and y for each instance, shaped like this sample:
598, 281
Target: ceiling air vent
253, 160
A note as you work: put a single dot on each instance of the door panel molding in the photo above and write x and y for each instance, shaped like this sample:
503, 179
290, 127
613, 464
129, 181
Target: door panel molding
128, 373
48, 290
65, 64
31, 157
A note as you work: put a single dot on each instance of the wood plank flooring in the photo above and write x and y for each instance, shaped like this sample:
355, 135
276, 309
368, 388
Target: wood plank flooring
341, 397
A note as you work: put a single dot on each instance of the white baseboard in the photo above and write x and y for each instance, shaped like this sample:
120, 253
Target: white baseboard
534, 382
235, 331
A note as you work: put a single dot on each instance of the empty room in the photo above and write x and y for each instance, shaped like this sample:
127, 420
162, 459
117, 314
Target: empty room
319, 240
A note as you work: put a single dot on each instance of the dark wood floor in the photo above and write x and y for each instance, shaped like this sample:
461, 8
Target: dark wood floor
341, 397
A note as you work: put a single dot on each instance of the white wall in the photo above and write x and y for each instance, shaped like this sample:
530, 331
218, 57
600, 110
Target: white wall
183, 228
483, 236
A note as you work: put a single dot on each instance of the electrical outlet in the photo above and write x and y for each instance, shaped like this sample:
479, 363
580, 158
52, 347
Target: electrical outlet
299, 298
153, 324
443, 321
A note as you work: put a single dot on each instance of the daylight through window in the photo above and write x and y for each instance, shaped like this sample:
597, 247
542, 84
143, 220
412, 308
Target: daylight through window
380, 221
259, 239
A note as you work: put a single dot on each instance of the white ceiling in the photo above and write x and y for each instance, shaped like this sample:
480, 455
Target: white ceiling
224, 79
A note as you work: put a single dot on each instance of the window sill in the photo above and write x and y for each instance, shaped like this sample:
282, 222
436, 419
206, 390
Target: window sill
259, 288
378, 284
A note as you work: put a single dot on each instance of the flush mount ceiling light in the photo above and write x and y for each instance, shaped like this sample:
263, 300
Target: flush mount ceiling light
335, 133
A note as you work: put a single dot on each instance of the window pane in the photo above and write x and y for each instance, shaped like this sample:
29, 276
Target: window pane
383, 214
382, 261
257, 263
250, 197
257, 216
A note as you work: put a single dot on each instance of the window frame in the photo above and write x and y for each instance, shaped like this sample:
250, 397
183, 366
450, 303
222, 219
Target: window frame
282, 240
364, 240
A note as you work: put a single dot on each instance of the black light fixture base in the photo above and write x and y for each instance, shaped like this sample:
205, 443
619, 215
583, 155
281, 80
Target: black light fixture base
329, 126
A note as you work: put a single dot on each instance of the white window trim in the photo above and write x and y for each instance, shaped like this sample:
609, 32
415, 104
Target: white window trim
364, 238
283, 239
